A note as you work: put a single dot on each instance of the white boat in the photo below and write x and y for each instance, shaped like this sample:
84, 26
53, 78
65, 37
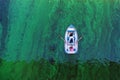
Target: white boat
71, 40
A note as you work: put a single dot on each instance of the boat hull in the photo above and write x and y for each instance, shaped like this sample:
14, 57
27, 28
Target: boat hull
71, 40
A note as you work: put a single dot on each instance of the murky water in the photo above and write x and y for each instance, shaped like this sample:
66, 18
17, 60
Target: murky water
29, 42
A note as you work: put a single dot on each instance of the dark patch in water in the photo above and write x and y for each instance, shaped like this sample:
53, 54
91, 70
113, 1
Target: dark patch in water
52, 61
4, 4
52, 48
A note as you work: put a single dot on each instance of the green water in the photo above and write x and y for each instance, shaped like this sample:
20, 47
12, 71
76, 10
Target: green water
30, 48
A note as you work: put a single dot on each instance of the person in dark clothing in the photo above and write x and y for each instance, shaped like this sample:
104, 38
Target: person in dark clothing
71, 34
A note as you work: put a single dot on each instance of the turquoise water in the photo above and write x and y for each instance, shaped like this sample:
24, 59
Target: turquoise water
29, 39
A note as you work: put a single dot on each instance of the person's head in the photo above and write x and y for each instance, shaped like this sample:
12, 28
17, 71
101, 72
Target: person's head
71, 33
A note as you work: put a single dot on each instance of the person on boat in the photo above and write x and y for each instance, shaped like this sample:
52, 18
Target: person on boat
71, 37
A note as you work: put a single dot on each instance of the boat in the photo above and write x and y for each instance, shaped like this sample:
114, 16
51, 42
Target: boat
71, 40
